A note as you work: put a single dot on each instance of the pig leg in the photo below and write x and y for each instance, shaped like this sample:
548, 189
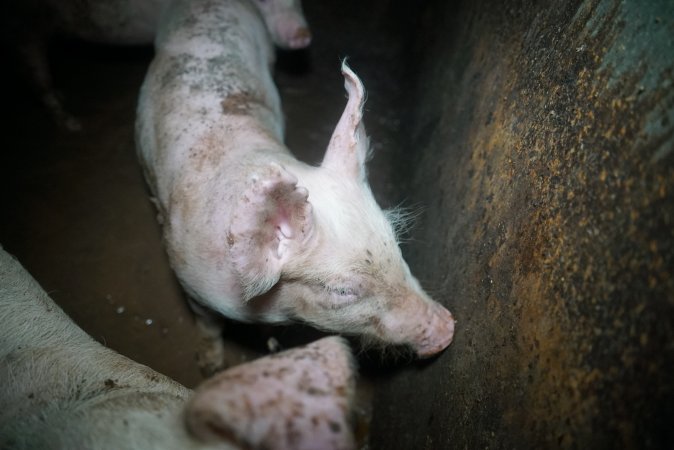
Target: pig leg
34, 56
211, 354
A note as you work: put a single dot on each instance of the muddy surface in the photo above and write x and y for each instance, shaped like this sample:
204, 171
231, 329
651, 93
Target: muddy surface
75, 207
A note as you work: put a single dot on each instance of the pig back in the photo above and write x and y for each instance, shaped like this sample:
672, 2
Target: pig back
211, 70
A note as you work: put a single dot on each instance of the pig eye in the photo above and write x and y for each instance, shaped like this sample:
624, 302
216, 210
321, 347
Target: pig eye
343, 295
344, 291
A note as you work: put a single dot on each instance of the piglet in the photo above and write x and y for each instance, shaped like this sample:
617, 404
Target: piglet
252, 233
63, 390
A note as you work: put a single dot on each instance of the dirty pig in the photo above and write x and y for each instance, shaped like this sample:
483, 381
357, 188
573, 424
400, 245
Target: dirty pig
63, 390
252, 233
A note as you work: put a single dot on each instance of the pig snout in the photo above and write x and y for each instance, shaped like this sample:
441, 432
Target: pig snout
301, 38
424, 325
437, 334
291, 34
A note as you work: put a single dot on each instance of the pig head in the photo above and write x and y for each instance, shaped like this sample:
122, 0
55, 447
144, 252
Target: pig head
311, 244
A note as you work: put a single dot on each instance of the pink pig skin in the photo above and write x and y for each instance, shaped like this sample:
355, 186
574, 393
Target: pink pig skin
252, 233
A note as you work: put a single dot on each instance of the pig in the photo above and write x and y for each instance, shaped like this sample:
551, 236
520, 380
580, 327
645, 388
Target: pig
30, 24
63, 390
252, 233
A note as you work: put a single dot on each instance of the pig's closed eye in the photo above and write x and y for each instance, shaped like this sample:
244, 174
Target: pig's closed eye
344, 291
343, 295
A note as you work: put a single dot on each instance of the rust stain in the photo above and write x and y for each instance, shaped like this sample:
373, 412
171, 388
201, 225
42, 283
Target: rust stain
555, 232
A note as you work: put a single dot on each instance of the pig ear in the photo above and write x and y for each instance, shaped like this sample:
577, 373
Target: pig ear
296, 399
349, 146
270, 223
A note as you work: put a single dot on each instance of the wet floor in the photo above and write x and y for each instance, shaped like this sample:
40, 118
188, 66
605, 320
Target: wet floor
75, 208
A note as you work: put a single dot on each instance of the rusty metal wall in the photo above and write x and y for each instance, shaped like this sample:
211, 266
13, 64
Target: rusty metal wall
541, 144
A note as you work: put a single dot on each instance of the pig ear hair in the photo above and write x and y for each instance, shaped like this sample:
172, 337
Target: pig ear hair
349, 147
272, 220
301, 398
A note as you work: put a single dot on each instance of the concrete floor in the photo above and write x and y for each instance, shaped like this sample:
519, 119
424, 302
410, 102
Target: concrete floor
75, 206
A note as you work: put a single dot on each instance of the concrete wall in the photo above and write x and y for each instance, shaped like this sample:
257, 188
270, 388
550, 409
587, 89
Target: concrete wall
541, 144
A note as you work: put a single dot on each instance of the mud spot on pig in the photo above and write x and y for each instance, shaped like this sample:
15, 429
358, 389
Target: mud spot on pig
152, 377
208, 152
240, 103
180, 201
230, 239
